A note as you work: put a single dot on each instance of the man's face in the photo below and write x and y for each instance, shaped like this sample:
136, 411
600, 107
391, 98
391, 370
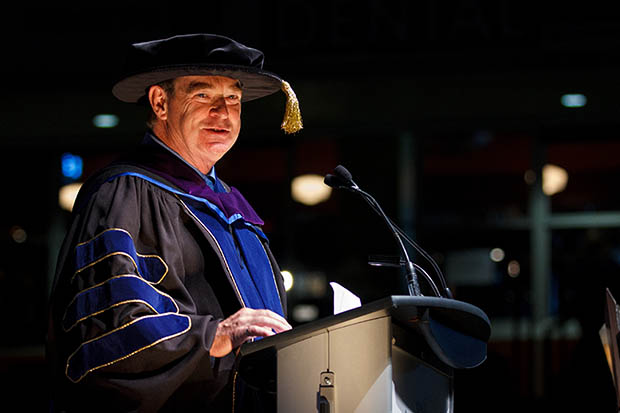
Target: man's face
203, 118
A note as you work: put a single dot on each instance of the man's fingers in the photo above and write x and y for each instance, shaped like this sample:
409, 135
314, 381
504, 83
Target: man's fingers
264, 318
256, 331
277, 324
247, 323
266, 313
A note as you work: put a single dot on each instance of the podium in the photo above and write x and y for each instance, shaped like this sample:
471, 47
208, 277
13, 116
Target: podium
609, 335
396, 354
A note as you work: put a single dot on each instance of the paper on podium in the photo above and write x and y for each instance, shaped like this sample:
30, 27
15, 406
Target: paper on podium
344, 299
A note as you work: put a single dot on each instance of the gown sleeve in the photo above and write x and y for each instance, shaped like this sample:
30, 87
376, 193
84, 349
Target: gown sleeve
137, 301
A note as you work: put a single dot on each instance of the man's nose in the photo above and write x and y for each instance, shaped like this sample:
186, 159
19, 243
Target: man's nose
219, 108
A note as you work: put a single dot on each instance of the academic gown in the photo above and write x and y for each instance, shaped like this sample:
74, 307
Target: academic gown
152, 261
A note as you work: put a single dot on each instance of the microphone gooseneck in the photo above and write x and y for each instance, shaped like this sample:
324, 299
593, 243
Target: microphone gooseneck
342, 179
442, 280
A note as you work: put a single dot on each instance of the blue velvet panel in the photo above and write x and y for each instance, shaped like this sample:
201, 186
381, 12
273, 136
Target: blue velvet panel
114, 242
124, 342
259, 267
113, 292
246, 258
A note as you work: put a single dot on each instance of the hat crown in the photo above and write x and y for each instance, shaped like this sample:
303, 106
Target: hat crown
192, 49
152, 62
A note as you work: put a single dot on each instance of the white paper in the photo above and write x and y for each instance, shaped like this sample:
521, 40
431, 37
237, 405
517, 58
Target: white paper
344, 299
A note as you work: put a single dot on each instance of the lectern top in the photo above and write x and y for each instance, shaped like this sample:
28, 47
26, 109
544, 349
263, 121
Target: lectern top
456, 331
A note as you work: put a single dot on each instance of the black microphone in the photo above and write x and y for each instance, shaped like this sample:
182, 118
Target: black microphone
344, 174
343, 179
334, 181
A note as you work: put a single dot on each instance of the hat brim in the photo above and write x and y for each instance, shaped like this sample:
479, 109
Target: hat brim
256, 83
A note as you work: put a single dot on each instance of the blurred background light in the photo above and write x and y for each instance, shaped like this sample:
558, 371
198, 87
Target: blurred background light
555, 179
497, 254
67, 195
470, 267
574, 100
71, 165
514, 269
288, 279
303, 313
529, 177
18, 234
310, 189
105, 120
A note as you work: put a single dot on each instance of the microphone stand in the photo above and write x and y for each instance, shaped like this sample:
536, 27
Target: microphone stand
410, 274
397, 262
344, 181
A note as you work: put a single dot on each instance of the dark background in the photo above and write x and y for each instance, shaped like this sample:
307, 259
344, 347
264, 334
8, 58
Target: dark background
437, 108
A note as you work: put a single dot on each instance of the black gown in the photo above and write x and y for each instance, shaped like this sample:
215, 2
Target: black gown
143, 278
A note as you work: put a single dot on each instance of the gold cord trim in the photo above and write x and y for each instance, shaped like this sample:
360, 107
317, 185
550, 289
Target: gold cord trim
130, 354
232, 278
116, 304
292, 116
121, 253
234, 390
270, 266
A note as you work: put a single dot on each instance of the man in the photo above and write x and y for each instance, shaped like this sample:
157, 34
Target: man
165, 271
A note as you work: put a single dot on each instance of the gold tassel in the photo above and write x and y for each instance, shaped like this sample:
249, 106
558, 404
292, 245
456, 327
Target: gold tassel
292, 116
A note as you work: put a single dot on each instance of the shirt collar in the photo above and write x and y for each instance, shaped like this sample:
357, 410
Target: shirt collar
210, 178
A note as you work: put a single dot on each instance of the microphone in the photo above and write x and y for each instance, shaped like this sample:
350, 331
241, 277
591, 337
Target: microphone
344, 174
343, 180
334, 181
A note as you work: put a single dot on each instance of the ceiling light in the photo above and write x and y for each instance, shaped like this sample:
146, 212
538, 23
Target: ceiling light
574, 100
105, 120
67, 195
555, 179
514, 269
497, 254
18, 234
288, 280
305, 312
71, 165
310, 189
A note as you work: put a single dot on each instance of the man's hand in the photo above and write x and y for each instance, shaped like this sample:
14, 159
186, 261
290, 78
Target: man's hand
244, 325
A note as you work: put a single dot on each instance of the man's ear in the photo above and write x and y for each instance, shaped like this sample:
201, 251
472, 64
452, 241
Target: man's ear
158, 101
